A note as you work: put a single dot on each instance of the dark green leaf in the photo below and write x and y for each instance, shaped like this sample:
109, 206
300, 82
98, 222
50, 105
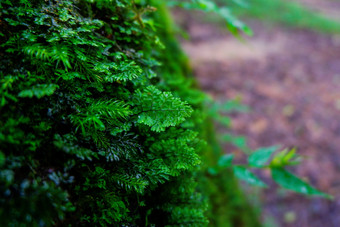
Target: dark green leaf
292, 182
244, 174
261, 156
225, 160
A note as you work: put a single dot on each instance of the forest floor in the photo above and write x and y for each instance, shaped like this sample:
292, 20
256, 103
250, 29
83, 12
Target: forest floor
290, 78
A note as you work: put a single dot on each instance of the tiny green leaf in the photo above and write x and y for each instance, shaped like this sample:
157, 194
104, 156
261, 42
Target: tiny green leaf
285, 157
289, 181
244, 174
261, 156
289, 156
225, 160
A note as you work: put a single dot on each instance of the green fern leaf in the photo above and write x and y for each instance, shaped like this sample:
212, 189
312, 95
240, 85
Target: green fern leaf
38, 51
124, 147
177, 147
123, 71
67, 143
127, 71
100, 114
61, 53
39, 91
56, 53
130, 183
160, 110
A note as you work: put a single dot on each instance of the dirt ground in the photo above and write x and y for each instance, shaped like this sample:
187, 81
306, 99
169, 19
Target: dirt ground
290, 78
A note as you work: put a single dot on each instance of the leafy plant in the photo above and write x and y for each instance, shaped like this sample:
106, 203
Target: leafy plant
233, 23
262, 158
101, 124
89, 133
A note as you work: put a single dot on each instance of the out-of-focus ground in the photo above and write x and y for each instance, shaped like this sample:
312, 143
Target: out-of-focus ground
290, 78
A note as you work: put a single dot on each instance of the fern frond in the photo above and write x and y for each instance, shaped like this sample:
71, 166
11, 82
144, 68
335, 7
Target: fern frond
130, 183
123, 71
61, 53
67, 143
39, 91
177, 148
55, 53
126, 71
160, 110
157, 171
100, 114
69, 75
125, 147
38, 51
110, 109
100, 139
179, 155
87, 122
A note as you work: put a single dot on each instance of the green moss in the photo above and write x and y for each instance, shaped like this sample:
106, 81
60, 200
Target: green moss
227, 205
101, 122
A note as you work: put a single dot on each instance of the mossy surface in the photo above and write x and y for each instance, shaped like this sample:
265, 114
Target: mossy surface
101, 122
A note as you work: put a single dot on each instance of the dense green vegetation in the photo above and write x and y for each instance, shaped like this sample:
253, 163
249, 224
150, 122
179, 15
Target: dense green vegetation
102, 123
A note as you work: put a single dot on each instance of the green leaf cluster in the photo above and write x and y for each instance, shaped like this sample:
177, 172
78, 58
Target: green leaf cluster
262, 158
94, 131
233, 23
102, 123
265, 158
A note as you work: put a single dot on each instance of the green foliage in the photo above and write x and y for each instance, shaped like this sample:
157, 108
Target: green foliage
284, 12
102, 124
243, 173
227, 204
233, 23
285, 158
262, 158
39, 91
160, 110
94, 131
292, 182
225, 160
